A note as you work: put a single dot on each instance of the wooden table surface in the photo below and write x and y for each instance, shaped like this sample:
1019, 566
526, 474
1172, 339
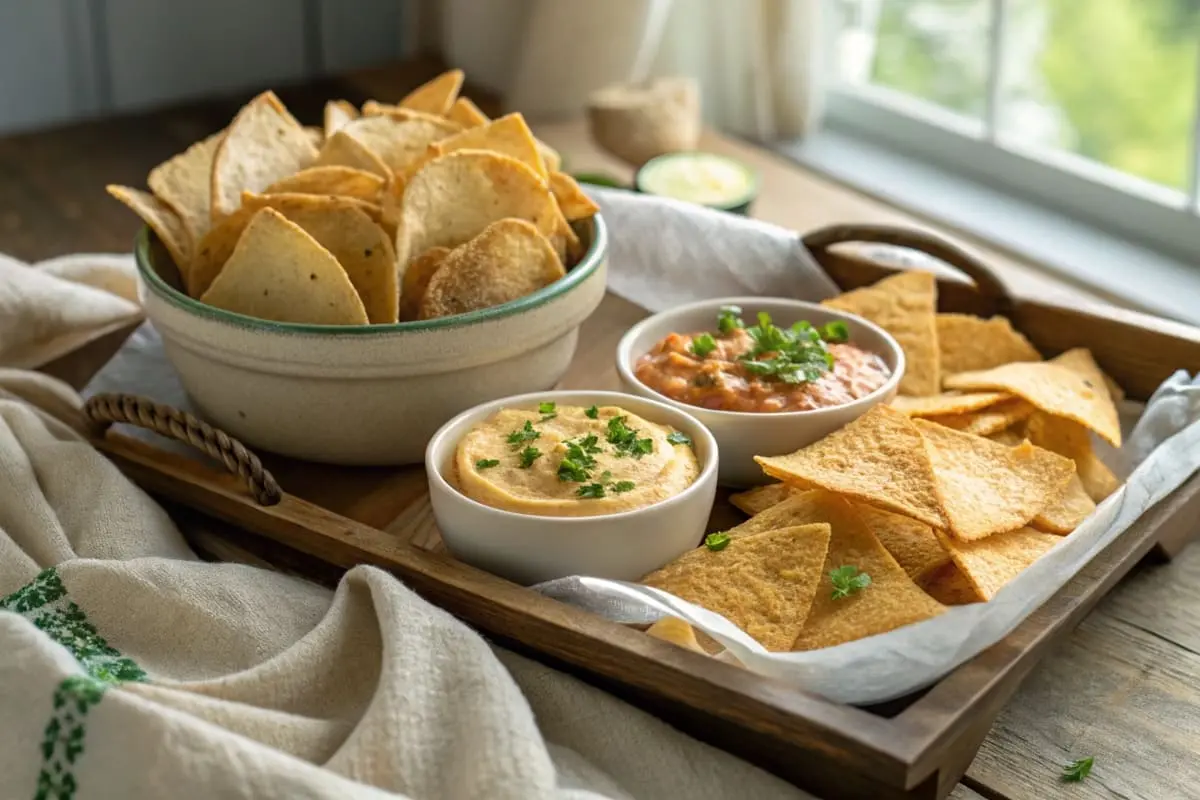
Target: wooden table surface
1124, 688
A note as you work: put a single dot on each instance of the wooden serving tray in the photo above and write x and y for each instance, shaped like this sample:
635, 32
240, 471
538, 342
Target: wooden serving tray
916, 747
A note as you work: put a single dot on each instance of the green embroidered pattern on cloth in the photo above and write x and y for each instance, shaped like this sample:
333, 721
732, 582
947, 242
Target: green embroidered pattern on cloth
45, 603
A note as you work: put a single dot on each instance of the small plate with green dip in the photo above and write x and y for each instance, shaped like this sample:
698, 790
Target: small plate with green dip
706, 179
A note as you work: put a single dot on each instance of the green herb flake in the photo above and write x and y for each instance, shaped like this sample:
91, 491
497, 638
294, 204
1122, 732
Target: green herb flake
791, 355
487, 463
1077, 770
570, 470
678, 437
717, 541
548, 411
620, 487
729, 319
625, 440
520, 437
529, 455
592, 490
847, 580
704, 344
592, 413
836, 331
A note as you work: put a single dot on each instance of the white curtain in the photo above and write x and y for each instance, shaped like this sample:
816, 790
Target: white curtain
759, 62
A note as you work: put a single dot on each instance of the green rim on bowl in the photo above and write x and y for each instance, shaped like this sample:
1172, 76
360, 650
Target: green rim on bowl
674, 175
145, 253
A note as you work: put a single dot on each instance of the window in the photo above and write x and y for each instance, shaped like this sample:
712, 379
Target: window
1086, 106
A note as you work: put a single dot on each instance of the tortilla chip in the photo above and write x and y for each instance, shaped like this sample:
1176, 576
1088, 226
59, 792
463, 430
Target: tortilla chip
508, 135
416, 281
950, 587
913, 544
990, 563
985, 487
401, 144
800, 508
402, 114
436, 96
1080, 360
1009, 436
677, 632
342, 181
1052, 388
316, 136
162, 219
452, 198
969, 343
550, 156
989, 420
341, 150
1065, 516
764, 583
337, 114
760, 498
1070, 439
278, 272
574, 203
891, 600
510, 259
184, 183
264, 143
905, 305
466, 113
947, 403
879, 458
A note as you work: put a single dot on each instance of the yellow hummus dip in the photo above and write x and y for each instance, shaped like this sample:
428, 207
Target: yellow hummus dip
569, 461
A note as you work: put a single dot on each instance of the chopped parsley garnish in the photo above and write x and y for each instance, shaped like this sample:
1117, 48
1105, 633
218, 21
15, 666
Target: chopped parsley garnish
836, 331
579, 461
548, 411
529, 455
704, 344
593, 490
847, 580
487, 463
592, 413
620, 487
717, 541
1077, 770
570, 470
679, 437
792, 355
520, 437
730, 319
625, 440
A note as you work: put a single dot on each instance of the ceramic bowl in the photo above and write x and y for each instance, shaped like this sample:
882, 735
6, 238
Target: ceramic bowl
530, 549
743, 435
364, 394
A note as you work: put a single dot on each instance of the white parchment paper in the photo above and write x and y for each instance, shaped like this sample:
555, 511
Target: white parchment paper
664, 253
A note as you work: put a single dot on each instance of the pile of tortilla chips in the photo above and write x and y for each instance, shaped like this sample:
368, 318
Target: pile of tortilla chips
387, 213
980, 466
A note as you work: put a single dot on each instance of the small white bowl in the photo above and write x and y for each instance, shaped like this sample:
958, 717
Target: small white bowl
742, 435
529, 549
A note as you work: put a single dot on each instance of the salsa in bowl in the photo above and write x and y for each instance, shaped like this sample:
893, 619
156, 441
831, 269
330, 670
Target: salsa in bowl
765, 375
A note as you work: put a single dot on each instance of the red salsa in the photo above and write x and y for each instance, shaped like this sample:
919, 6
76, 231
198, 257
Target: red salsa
762, 368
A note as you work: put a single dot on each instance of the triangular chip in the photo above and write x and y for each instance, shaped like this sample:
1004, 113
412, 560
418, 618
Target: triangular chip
947, 403
968, 343
264, 143
574, 203
466, 113
905, 306
800, 508
949, 586
401, 144
337, 114
764, 583
1080, 361
452, 198
985, 487
890, 601
401, 114
341, 150
341, 181
1009, 436
278, 272
880, 459
416, 281
184, 183
508, 260
162, 219
990, 563
435, 96
760, 498
1069, 438
987, 421
1053, 388
508, 135
550, 156
1065, 515
677, 632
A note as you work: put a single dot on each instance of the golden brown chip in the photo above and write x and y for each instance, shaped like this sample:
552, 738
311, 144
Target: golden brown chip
402, 114
184, 183
987, 421
1080, 361
947, 403
880, 459
798, 508
913, 544
764, 583
550, 156
416, 281
466, 113
677, 632
1065, 515
1053, 388
508, 135
949, 586
337, 114
904, 305
162, 219
342, 181
985, 487
264, 143
451, 199
341, 150
1069, 438
890, 601
278, 272
988, 564
435, 96
574, 203
1009, 436
969, 343
401, 144
760, 498
510, 259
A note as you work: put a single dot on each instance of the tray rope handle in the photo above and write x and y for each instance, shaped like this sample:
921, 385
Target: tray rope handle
986, 280
102, 410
